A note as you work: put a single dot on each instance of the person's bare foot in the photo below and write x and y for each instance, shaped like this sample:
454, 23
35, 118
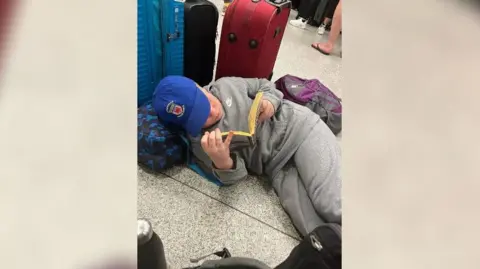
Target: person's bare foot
325, 48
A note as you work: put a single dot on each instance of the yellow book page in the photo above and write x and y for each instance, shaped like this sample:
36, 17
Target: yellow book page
252, 117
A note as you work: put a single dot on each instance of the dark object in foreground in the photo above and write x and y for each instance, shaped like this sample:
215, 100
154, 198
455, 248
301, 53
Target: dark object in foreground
320, 249
150, 252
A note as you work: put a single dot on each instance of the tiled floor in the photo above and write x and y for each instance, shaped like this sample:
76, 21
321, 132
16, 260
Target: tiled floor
194, 217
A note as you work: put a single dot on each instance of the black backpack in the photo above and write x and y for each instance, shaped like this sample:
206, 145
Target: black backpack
321, 249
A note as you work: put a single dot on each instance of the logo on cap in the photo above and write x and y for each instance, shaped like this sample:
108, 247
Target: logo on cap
175, 109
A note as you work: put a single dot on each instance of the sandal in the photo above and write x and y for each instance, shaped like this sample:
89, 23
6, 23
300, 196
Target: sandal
315, 46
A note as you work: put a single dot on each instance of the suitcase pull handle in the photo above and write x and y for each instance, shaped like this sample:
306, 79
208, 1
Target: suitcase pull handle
280, 4
176, 33
173, 36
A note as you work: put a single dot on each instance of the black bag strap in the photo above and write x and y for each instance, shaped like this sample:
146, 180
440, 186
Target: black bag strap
223, 254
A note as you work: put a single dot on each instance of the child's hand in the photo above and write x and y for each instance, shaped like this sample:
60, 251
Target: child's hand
266, 110
216, 149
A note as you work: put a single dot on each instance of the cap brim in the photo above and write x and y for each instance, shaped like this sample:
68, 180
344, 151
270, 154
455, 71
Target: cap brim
198, 115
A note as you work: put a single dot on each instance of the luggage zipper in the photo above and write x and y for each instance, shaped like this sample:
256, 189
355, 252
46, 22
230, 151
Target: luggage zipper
176, 33
318, 245
316, 242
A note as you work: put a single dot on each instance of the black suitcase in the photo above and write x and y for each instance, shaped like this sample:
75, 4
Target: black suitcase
201, 19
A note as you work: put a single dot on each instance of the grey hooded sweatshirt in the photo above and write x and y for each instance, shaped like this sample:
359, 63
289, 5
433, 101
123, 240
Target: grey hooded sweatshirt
277, 139
310, 189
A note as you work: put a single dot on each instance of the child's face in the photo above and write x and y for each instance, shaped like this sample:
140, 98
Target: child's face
216, 111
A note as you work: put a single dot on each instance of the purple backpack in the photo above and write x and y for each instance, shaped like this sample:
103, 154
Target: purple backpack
314, 95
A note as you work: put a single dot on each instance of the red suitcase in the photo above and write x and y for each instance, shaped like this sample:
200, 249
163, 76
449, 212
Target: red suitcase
251, 35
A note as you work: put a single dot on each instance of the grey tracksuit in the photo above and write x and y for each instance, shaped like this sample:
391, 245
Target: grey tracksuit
294, 148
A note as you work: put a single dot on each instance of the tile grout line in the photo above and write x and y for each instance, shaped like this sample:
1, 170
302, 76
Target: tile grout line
230, 206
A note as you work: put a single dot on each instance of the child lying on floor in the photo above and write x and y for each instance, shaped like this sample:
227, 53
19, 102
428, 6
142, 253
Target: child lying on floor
288, 133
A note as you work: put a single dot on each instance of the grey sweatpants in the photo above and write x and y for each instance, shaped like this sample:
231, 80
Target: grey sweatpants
310, 187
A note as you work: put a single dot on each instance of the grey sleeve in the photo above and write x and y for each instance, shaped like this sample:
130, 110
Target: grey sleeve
227, 177
270, 92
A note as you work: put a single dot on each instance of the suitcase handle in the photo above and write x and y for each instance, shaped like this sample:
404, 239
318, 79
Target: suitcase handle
176, 34
280, 4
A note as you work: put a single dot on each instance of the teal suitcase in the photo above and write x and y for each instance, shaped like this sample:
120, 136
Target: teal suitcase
160, 29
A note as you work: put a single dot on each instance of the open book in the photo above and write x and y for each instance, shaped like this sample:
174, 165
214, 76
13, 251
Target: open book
252, 124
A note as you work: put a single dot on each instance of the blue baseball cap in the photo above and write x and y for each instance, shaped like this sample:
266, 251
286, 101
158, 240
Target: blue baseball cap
179, 101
